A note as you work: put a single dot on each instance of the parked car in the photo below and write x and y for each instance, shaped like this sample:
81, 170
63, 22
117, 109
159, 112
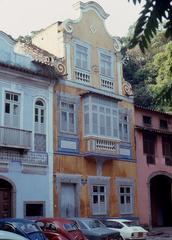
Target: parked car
23, 227
93, 229
127, 228
4, 235
60, 229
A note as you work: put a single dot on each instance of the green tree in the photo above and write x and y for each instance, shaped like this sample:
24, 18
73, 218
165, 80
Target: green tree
154, 13
142, 72
162, 88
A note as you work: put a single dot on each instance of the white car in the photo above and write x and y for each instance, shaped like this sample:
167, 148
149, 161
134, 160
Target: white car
4, 235
127, 228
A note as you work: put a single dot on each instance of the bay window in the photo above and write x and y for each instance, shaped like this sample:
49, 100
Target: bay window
100, 117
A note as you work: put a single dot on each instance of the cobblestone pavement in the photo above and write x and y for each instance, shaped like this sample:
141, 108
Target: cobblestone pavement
160, 234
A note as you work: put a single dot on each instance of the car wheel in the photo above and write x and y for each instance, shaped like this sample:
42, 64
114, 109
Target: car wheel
120, 238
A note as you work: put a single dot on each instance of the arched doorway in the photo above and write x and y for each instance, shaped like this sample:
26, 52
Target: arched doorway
5, 199
161, 200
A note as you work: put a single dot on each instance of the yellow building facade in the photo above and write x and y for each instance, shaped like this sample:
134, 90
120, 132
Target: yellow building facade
94, 153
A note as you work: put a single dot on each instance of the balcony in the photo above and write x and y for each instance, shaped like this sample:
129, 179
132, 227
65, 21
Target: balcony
82, 76
107, 83
15, 138
101, 147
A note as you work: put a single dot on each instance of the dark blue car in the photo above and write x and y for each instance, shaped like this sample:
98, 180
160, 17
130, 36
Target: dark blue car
23, 227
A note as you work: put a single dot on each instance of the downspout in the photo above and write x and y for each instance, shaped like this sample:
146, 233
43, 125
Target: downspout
50, 148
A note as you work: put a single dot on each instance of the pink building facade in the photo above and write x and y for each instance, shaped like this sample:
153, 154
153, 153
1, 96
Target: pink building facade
153, 135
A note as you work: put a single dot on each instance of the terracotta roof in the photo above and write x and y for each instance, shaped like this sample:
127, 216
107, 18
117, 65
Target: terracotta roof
154, 130
22, 69
152, 110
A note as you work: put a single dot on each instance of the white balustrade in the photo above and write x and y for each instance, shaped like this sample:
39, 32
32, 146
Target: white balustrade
82, 76
103, 146
17, 138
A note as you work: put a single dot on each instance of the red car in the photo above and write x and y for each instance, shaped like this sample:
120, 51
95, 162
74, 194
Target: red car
60, 229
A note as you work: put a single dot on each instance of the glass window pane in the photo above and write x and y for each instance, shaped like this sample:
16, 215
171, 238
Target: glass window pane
121, 189
64, 105
15, 109
42, 119
15, 97
95, 188
95, 123
86, 123
71, 107
36, 118
128, 199
95, 199
8, 96
102, 198
102, 125
122, 199
42, 112
102, 189
36, 110
39, 103
7, 108
71, 122
64, 121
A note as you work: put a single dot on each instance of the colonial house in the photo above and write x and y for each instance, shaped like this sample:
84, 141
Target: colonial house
153, 134
26, 136
94, 151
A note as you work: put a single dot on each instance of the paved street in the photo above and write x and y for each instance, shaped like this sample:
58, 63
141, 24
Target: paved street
160, 234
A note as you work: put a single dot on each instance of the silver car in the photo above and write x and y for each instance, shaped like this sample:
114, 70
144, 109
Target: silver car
4, 235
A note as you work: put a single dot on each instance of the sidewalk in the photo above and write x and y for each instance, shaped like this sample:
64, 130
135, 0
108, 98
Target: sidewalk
160, 233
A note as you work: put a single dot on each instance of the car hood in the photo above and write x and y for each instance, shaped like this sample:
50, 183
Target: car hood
137, 229
100, 231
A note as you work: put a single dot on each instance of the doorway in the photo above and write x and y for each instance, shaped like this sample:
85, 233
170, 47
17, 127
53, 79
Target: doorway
68, 206
5, 199
161, 201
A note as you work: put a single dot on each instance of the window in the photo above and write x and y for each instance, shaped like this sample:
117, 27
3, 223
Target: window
67, 117
105, 65
100, 117
40, 126
12, 110
39, 117
123, 126
167, 150
163, 124
147, 120
126, 201
149, 147
99, 199
34, 209
81, 58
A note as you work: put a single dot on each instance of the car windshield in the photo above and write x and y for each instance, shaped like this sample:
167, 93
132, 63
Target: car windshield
27, 227
70, 226
91, 223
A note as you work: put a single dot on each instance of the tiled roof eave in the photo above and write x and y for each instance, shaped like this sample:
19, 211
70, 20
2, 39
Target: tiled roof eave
21, 69
153, 130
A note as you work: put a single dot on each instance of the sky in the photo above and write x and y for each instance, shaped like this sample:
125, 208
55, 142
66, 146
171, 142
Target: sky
20, 17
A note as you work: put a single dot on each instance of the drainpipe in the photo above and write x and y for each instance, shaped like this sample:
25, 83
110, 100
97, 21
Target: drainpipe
49, 212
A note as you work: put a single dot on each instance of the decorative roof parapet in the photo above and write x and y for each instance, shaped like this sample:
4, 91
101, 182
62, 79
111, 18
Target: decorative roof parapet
41, 56
127, 88
83, 7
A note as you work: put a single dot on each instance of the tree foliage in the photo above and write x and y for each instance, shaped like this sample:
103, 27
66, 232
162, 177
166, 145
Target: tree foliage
154, 12
151, 73
162, 88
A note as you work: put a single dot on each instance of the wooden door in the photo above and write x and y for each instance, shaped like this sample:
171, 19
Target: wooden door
68, 200
5, 202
